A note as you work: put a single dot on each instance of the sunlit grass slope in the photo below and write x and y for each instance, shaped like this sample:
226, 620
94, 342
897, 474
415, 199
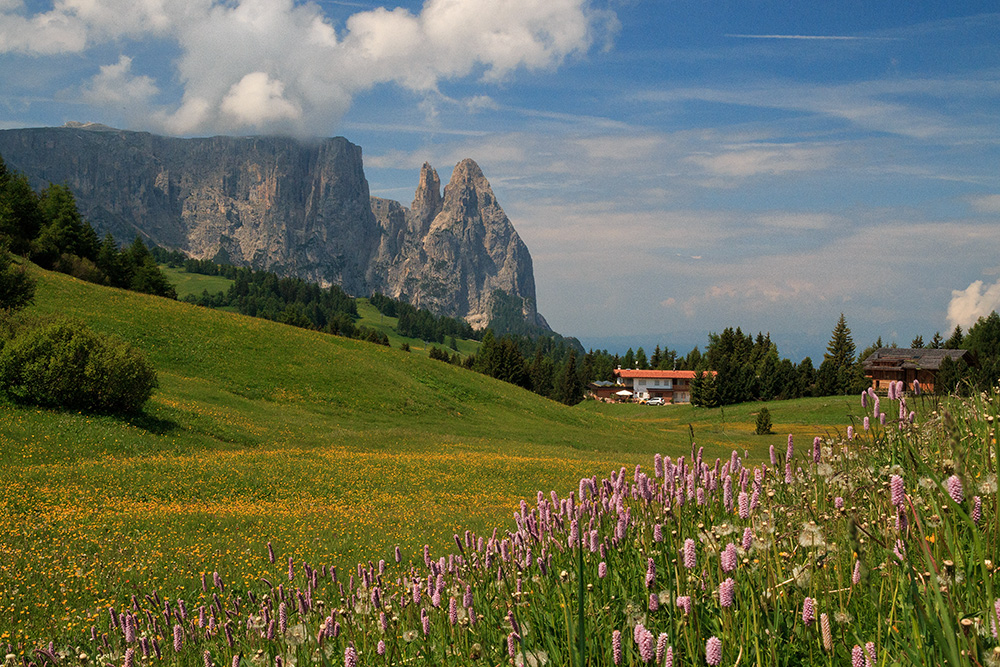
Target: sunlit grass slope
334, 449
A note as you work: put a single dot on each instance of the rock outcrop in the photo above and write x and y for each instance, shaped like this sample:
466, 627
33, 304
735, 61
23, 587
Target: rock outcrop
295, 208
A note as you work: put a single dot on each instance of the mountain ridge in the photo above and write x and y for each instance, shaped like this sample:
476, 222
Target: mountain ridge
292, 207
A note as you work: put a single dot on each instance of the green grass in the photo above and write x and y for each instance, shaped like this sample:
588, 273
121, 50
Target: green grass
372, 318
194, 283
334, 449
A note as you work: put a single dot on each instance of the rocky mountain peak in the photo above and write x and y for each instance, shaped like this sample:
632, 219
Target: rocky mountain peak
427, 200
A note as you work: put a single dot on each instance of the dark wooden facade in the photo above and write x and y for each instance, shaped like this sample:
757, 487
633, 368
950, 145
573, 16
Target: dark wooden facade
892, 364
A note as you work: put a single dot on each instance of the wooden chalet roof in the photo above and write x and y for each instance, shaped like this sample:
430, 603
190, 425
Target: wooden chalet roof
886, 358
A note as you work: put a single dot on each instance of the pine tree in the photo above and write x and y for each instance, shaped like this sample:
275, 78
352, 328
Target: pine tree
917, 343
937, 342
955, 342
568, 388
838, 374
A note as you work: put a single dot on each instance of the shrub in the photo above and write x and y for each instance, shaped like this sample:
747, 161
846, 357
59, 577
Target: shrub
65, 364
17, 288
763, 421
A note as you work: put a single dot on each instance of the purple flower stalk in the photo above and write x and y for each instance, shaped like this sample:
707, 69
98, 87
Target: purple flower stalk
774, 456
713, 651
130, 657
654, 602
897, 491
864, 400
650, 572
380, 648
747, 538
824, 627
657, 533
661, 648
954, 486
207, 659
270, 553
452, 611
870, 658
690, 557
647, 648
916, 387
857, 656
838, 502
684, 602
817, 450
977, 509
350, 657
743, 503
790, 451
728, 558
399, 555
602, 570
727, 592
808, 611
856, 576
867, 424
178, 638
616, 646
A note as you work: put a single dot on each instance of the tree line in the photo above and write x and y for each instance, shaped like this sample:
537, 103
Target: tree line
284, 299
47, 228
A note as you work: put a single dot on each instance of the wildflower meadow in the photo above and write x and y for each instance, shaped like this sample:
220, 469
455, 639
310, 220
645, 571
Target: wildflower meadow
875, 547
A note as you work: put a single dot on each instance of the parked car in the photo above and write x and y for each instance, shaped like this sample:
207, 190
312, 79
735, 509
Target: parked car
656, 401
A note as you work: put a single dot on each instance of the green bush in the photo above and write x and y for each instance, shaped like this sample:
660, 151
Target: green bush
763, 421
65, 364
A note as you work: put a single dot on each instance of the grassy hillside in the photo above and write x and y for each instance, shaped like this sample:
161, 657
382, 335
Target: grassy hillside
333, 449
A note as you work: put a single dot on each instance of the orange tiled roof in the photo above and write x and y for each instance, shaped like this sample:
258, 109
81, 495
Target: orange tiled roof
663, 375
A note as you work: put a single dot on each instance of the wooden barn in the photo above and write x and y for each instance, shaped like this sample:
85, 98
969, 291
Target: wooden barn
891, 364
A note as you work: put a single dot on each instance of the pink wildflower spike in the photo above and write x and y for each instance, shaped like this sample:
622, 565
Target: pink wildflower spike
713, 651
808, 611
954, 486
726, 592
661, 647
996, 622
864, 400
857, 656
602, 569
774, 456
684, 602
350, 657
728, 558
690, 556
616, 646
838, 502
647, 647
380, 649
790, 451
870, 658
850, 433
747, 538
824, 627
977, 509
916, 387
668, 657
743, 502
654, 602
650, 572
856, 576
817, 449
867, 424
897, 490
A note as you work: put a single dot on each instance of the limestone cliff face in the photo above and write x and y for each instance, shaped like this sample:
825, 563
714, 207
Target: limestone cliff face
267, 202
295, 208
458, 249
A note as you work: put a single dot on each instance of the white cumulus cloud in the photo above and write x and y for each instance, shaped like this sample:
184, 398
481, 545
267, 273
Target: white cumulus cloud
281, 65
968, 305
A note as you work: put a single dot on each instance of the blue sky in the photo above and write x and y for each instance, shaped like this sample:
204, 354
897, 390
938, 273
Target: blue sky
674, 167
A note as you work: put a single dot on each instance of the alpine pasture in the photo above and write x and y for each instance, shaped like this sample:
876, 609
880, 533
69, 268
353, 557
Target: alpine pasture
290, 497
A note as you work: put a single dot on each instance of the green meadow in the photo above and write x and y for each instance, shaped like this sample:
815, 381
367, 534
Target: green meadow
334, 450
